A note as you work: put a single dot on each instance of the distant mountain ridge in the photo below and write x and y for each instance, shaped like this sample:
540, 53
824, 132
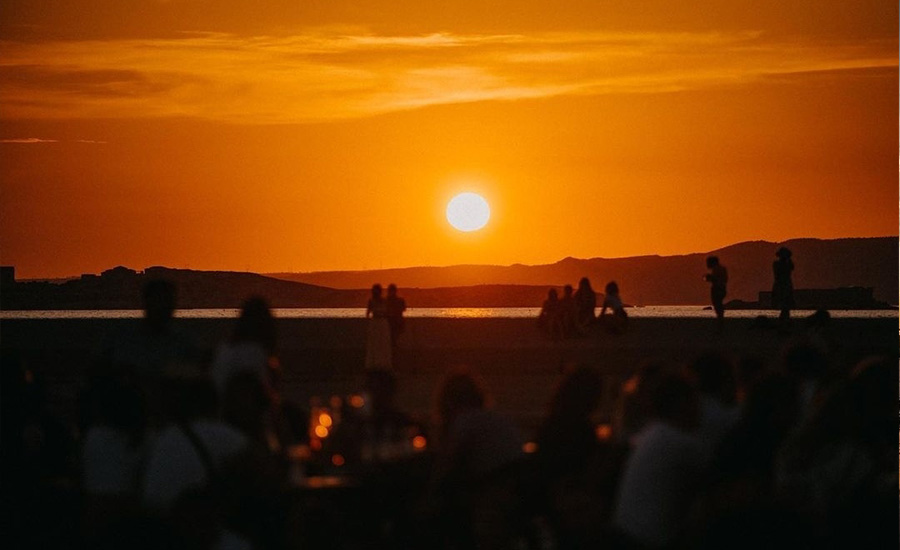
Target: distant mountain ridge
663, 280
644, 280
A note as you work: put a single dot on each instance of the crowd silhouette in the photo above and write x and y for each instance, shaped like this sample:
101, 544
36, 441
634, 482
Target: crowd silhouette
575, 315
177, 448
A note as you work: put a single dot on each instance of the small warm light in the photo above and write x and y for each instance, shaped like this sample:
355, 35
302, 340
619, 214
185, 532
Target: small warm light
357, 401
325, 420
315, 445
337, 460
530, 447
604, 432
335, 402
298, 452
419, 442
274, 364
321, 431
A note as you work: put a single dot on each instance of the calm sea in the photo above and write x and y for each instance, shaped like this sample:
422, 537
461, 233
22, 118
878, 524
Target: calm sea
445, 313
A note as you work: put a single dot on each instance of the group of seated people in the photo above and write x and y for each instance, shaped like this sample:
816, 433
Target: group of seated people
178, 451
575, 313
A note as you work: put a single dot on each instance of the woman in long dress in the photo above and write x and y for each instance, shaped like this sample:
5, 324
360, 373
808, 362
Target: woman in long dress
378, 333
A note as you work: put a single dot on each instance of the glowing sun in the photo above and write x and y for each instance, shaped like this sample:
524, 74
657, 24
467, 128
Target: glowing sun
468, 212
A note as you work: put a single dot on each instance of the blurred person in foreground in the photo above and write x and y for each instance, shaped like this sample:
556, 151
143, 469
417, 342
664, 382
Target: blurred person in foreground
662, 472
575, 468
154, 346
474, 487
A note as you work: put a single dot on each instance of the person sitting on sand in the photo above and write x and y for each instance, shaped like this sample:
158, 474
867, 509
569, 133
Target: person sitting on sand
618, 319
548, 320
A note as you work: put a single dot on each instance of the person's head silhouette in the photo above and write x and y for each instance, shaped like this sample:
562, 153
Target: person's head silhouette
783, 253
256, 324
392, 290
159, 304
567, 291
584, 284
376, 291
612, 288
712, 261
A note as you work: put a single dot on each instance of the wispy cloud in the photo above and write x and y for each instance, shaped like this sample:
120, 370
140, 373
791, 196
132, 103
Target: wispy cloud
28, 140
333, 75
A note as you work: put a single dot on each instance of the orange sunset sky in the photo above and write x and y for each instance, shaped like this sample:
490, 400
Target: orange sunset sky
300, 135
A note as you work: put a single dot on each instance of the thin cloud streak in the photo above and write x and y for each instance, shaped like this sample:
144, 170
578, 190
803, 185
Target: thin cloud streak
323, 76
28, 140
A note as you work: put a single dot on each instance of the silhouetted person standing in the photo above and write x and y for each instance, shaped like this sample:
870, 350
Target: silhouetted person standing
718, 279
378, 335
783, 287
586, 302
395, 308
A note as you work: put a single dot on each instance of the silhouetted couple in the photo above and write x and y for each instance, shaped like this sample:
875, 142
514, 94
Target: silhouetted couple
385, 325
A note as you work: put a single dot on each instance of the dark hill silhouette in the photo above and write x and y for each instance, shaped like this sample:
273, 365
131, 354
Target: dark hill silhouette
644, 280
120, 288
665, 280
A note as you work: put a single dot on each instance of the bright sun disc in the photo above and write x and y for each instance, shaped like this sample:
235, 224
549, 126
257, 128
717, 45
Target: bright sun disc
468, 212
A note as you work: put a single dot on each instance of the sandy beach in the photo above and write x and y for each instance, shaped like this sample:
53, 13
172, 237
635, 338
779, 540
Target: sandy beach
520, 365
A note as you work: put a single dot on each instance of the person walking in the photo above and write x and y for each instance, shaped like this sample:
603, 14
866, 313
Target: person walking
718, 279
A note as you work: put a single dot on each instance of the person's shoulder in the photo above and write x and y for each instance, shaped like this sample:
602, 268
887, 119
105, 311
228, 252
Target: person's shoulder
219, 436
101, 438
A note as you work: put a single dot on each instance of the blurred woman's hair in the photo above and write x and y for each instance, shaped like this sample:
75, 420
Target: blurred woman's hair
256, 324
578, 394
460, 391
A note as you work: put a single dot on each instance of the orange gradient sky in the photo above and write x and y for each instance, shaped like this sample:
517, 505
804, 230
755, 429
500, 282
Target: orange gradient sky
329, 134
